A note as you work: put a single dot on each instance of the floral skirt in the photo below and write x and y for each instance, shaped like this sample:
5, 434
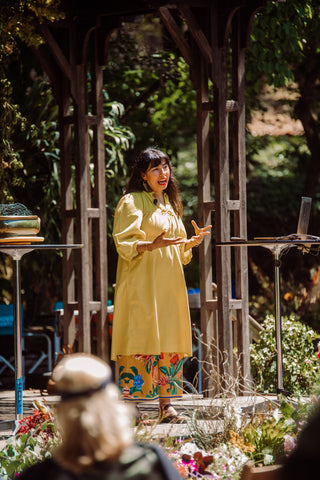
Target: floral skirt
149, 377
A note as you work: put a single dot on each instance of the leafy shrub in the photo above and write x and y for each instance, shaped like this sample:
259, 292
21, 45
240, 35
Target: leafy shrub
300, 363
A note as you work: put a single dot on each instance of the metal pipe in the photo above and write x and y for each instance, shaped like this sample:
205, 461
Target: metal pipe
278, 326
18, 340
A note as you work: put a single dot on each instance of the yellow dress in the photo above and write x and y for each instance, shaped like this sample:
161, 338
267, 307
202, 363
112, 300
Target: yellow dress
151, 312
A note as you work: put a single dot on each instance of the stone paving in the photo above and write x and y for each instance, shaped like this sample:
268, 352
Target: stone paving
188, 403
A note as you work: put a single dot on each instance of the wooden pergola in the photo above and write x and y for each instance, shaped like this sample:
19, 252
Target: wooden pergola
77, 46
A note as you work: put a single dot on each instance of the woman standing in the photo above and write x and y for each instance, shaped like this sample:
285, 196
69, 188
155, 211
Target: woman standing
151, 326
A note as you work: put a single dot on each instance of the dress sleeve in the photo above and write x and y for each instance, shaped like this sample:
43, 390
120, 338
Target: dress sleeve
185, 256
127, 226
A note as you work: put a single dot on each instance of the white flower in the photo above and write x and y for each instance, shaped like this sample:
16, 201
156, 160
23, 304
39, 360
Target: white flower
268, 459
227, 462
277, 414
190, 449
233, 414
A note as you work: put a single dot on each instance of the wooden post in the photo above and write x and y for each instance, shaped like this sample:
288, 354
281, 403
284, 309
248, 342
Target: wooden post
82, 161
67, 212
222, 224
205, 205
239, 192
99, 192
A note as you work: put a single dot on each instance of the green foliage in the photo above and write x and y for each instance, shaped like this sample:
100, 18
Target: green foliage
284, 51
154, 85
17, 24
283, 37
19, 20
10, 120
118, 140
39, 185
275, 177
276, 173
267, 432
300, 363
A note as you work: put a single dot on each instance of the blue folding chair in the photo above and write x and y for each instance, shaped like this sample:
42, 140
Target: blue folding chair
7, 329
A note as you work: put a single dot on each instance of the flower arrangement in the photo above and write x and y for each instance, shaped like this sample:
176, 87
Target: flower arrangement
34, 437
230, 437
262, 437
222, 462
40, 422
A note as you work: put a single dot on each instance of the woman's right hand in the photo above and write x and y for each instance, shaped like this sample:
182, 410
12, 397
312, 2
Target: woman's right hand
161, 241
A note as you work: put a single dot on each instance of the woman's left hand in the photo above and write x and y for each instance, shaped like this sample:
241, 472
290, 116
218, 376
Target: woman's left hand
196, 239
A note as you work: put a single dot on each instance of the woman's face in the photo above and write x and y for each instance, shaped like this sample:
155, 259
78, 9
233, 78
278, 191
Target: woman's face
157, 177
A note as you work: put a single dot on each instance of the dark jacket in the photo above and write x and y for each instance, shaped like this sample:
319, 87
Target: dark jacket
137, 462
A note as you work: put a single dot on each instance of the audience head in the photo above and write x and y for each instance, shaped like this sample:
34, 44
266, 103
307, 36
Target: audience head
94, 423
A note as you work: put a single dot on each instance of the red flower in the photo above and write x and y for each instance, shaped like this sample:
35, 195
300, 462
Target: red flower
163, 380
126, 392
174, 359
34, 422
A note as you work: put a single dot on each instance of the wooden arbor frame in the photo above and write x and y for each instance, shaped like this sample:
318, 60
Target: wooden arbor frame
217, 30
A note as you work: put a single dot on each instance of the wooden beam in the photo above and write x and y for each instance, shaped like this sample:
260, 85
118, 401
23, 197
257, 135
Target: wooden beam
232, 106
82, 156
95, 305
212, 304
235, 303
68, 120
208, 307
93, 119
99, 198
197, 33
209, 206
56, 51
240, 192
207, 106
233, 204
176, 34
67, 227
70, 213
93, 212
52, 70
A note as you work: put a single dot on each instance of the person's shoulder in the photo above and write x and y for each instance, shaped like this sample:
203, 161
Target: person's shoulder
135, 453
131, 197
131, 200
145, 460
47, 469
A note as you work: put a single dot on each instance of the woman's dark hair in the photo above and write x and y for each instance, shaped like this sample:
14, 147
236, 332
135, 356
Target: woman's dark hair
151, 157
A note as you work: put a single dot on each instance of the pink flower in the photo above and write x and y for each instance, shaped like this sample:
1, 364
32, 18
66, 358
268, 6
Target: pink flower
289, 444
